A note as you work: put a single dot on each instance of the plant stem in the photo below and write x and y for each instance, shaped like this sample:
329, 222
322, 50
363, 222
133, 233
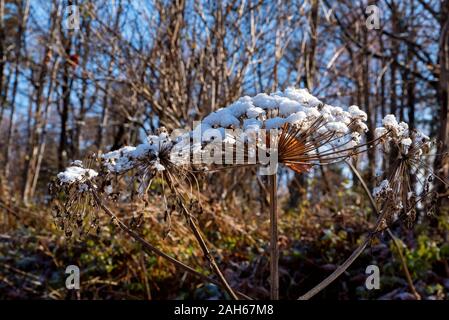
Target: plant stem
404, 265
274, 248
149, 247
390, 233
207, 254
342, 268
196, 232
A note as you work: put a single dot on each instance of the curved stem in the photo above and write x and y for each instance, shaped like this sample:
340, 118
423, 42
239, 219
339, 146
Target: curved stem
149, 247
196, 232
207, 254
342, 268
323, 284
390, 233
404, 265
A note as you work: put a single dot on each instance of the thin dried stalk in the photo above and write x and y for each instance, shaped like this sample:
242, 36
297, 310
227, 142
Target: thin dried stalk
390, 233
404, 265
213, 264
174, 181
343, 267
331, 278
149, 247
274, 248
323, 284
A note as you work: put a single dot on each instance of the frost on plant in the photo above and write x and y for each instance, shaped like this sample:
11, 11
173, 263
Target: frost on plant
74, 207
292, 128
408, 183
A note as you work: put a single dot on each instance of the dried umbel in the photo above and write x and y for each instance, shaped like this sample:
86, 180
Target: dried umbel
300, 149
74, 207
408, 183
396, 138
146, 161
150, 164
291, 127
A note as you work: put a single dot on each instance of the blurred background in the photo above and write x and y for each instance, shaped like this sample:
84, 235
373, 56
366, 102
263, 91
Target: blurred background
78, 77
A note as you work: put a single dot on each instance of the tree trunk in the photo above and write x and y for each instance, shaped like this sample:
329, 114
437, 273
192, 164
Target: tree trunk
442, 161
2, 56
19, 42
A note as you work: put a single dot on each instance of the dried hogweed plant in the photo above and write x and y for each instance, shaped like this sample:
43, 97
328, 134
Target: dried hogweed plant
408, 184
74, 207
292, 128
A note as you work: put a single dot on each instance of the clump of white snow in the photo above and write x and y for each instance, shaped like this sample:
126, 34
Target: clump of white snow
287, 107
399, 134
254, 112
265, 101
382, 189
356, 113
76, 174
126, 158
274, 123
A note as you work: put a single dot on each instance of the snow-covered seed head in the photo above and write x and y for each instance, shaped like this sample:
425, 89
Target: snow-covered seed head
382, 191
408, 183
148, 157
144, 162
396, 137
76, 173
304, 130
73, 204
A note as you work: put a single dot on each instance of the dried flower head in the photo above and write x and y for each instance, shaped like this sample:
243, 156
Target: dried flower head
74, 207
409, 181
147, 161
296, 126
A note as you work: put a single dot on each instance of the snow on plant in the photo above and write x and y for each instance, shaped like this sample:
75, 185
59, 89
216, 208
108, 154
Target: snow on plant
409, 180
292, 128
146, 160
76, 173
74, 207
